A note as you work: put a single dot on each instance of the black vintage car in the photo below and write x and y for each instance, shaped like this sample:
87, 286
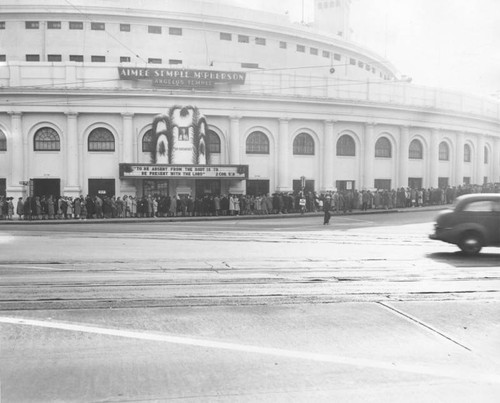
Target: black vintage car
472, 223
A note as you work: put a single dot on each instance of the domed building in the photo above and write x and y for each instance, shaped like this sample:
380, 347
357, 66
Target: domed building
176, 97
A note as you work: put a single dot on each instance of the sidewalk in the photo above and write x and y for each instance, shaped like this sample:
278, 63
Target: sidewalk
15, 221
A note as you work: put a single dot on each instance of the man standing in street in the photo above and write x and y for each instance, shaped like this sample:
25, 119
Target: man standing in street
327, 205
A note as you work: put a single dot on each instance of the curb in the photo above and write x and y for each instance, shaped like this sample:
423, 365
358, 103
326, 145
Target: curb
216, 218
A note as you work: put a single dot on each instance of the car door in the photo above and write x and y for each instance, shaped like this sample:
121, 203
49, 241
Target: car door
495, 222
485, 216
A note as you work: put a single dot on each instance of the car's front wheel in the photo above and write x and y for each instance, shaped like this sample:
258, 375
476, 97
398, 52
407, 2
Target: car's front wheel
471, 243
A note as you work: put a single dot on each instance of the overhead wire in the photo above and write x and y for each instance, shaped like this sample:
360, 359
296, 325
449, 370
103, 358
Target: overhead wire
107, 32
271, 82
64, 100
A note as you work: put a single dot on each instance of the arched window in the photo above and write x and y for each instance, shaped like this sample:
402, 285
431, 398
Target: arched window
383, 148
3, 141
416, 151
346, 146
444, 152
467, 153
303, 145
101, 139
257, 143
47, 139
486, 155
213, 143
147, 142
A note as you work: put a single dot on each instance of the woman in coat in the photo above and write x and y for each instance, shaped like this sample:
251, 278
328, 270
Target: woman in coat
27, 209
69, 207
50, 208
173, 207
83, 206
133, 206
77, 206
20, 208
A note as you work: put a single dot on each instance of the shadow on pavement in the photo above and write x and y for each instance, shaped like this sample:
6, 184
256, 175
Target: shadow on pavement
460, 259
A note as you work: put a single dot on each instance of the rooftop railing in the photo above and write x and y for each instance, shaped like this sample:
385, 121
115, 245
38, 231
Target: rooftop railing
24, 76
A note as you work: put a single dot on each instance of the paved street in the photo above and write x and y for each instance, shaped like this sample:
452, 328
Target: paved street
280, 309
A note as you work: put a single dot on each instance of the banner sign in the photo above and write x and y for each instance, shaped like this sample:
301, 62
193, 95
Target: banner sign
181, 78
159, 171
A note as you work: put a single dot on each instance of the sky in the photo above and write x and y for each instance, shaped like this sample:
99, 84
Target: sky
453, 44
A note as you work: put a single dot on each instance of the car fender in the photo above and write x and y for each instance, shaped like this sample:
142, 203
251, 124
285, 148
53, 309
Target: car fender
465, 227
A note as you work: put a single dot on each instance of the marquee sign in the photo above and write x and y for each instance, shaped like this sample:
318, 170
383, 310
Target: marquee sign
181, 78
160, 171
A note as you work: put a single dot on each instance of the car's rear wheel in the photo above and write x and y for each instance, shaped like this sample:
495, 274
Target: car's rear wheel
471, 243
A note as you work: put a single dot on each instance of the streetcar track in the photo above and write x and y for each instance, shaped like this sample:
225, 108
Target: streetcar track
238, 300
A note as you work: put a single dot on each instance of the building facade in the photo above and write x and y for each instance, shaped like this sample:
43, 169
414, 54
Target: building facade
284, 105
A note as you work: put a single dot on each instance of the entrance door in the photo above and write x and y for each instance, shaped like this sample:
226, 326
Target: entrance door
443, 183
155, 187
3, 187
257, 187
415, 183
46, 187
102, 187
207, 187
297, 185
383, 184
345, 185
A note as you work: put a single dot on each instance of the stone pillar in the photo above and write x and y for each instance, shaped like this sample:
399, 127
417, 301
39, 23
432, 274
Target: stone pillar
328, 155
234, 154
403, 159
479, 177
234, 141
284, 180
15, 148
459, 159
82, 152
432, 180
127, 186
72, 187
127, 153
495, 160
369, 156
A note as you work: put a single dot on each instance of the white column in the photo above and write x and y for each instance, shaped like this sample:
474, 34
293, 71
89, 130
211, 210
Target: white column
459, 159
495, 160
234, 141
26, 149
284, 180
72, 187
404, 145
234, 156
480, 160
328, 155
127, 187
369, 156
432, 180
128, 138
82, 152
15, 149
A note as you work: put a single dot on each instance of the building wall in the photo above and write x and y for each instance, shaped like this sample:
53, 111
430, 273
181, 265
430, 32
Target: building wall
325, 167
295, 93
200, 43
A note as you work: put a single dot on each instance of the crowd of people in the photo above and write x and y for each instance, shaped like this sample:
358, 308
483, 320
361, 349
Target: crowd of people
97, 207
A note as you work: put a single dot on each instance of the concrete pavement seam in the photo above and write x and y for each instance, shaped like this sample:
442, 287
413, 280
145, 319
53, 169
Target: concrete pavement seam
419, 322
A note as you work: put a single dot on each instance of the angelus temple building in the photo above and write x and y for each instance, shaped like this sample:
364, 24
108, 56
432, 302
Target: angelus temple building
172, 97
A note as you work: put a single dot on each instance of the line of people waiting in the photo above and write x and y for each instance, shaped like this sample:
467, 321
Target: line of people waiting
90, 207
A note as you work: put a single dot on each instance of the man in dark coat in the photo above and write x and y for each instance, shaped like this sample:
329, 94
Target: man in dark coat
20, 208
327, 206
